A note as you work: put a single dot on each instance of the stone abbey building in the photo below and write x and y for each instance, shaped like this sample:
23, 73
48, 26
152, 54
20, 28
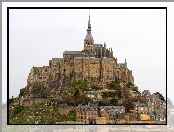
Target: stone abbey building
95, 63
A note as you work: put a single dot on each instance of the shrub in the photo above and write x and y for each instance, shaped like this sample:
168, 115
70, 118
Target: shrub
41, 91
71, 115
135, 89
22, 91
114, 85
17, 110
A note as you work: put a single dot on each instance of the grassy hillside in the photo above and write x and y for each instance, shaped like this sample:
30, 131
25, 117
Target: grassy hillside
42, 113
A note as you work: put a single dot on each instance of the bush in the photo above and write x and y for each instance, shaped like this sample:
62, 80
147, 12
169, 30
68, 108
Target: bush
114, 101
135, 89
71, 115
11, 101
114, 85
41, 91
17, 110
22, 91
129, 85
94, 87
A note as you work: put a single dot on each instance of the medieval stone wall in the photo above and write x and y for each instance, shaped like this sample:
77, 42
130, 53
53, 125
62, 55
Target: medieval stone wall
81, 68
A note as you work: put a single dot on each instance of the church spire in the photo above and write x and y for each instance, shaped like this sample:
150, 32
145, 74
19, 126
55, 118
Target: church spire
89, 35
89, 23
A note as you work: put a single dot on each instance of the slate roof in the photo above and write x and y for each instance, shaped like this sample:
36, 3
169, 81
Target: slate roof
146, 92
98, 45
139, 104
88, 37
92, 107
112, 107
120, 64
154, 96
57, 58
72, 52
92, 92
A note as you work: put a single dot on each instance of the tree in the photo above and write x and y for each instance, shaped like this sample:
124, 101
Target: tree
128, 104
114, 85
71, 116
114, 101
41, 91
160, 96
94, 87
129, 85
75, 92
135, 89
81, 85
22, 91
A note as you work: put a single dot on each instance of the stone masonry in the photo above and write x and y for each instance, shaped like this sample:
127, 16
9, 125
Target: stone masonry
94, 63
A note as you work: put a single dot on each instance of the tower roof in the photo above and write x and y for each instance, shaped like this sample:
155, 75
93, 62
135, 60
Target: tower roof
89, 35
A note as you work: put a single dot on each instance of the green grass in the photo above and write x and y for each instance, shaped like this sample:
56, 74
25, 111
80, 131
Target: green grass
24, 114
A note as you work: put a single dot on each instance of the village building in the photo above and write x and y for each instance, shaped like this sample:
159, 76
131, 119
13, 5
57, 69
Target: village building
141, 108
87, 113
94, 95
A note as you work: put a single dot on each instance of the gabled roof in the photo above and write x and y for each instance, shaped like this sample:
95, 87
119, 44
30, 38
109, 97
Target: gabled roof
111, 107
92, 107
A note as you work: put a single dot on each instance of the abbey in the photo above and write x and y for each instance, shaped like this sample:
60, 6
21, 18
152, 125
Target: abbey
95, 63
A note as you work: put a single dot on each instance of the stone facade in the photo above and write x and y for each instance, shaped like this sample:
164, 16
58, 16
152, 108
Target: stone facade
94, 114
112, 112
87, 114
141, 108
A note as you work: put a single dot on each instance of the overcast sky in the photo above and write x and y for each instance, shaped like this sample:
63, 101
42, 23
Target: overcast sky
137, 35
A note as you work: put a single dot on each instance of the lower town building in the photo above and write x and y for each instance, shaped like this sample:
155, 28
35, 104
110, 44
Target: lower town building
94, 114
87, 114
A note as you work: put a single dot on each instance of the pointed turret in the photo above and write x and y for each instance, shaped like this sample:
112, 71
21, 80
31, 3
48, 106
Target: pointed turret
89, 35
125, 63
89, 42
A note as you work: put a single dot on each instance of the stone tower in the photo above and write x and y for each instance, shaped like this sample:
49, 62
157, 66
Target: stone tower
89, 49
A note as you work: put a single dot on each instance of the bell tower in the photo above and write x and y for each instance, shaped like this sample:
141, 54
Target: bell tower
88, 50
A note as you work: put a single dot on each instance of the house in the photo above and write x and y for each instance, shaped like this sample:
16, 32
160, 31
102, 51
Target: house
154, 101
115, 113
93, 95
101, 120
146, 93
141, 108
87, 113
